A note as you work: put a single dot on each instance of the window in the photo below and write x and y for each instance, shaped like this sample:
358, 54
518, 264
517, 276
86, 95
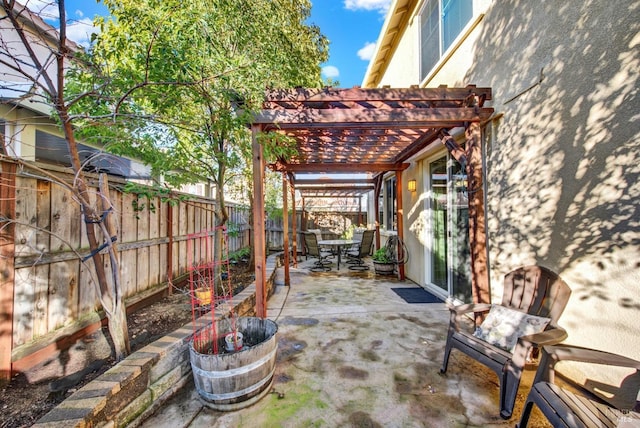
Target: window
390, 204
441, 21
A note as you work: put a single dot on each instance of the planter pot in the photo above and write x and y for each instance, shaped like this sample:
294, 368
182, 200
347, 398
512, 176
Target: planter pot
203, 296
384, 268
235, 380
233, 341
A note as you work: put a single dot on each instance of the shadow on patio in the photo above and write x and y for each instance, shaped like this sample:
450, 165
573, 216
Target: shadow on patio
353, 353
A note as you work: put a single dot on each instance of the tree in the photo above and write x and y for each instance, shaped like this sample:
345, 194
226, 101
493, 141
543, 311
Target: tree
34, 55
197, 70
169, 82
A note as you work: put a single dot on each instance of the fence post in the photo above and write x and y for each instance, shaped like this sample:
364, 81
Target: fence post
7, 255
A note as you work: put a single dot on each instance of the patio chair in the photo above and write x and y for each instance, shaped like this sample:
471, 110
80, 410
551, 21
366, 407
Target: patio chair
318, 233
564, 408
533, 300
364, 250
313, 250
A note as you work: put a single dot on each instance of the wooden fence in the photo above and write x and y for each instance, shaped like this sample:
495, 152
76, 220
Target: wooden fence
46, 286
52, 287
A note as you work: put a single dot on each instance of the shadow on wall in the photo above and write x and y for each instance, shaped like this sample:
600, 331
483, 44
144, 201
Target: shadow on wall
563, 170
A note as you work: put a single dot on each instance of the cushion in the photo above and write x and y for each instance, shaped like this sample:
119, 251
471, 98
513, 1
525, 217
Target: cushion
503, 326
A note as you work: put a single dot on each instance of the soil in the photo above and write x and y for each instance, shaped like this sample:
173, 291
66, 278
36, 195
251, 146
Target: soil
25, 400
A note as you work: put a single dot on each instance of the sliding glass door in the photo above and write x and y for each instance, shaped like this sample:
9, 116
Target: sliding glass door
448, 256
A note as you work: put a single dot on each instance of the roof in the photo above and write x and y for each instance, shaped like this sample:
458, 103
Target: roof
372, 131
396, 21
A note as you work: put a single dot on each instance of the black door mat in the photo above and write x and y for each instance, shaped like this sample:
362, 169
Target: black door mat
416, 295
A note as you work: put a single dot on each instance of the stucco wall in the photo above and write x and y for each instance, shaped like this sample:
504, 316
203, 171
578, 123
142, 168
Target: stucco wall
563, 169
563, 166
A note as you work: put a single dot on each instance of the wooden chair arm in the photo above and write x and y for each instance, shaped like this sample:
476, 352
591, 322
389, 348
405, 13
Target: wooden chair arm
576, 353
457, 312
469, 307
551, 355
552, 336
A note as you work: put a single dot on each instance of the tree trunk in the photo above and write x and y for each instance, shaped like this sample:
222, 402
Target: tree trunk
120, 337
110, 297
118, 330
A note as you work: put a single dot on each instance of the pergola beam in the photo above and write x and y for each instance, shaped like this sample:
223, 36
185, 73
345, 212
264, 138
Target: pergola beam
363, 189
323, 181
374, 118
340, 167
379, 94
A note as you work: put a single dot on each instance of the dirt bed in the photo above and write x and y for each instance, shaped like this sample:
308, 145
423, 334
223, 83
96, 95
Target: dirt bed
29, 396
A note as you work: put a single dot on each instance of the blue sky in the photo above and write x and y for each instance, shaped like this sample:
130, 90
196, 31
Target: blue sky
352, 27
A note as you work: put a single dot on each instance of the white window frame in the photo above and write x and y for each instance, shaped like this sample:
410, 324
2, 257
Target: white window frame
442, 50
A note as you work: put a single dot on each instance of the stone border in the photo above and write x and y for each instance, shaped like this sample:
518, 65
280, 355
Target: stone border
137, 386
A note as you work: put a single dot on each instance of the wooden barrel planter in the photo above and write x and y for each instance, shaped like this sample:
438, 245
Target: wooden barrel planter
384, 268
235, 380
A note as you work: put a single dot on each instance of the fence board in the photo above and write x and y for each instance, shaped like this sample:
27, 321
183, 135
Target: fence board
162, 249
43, 239
63, 210
182, 231
154, 250
63, 297
129, 231
24, 304
88, 299
142, 254
26, 213
199, 223
175, 250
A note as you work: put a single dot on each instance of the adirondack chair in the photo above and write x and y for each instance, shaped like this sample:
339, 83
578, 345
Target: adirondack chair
313, 250
363, 250
564, 408
533, 300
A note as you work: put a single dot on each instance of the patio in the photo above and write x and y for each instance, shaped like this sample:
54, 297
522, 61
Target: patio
353, 353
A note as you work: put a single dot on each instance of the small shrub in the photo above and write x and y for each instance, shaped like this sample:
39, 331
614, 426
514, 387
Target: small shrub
381, 256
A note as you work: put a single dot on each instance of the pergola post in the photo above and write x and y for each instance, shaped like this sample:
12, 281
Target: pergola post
259, 223
294, 225
285, 227
304, 224
477, 234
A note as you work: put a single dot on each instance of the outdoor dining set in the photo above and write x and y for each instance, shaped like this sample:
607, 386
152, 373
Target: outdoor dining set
354, 250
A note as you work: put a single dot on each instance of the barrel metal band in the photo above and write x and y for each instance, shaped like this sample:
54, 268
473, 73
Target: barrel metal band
232, 372
236, 394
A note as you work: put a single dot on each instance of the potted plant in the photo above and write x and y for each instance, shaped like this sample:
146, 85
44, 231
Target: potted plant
383, 263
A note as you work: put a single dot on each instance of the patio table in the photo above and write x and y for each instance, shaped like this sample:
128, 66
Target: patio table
339, 243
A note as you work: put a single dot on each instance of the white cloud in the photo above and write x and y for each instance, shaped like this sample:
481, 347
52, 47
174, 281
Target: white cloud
330, 71
380, 5
366, 52
47, 9
80, 31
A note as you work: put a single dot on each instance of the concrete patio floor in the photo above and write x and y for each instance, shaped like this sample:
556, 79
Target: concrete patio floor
351, 352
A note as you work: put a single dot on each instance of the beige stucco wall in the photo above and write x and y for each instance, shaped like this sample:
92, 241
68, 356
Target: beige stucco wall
562, 170
563, 163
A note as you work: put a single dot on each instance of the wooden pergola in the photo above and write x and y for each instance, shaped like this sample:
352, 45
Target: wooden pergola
371, 131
